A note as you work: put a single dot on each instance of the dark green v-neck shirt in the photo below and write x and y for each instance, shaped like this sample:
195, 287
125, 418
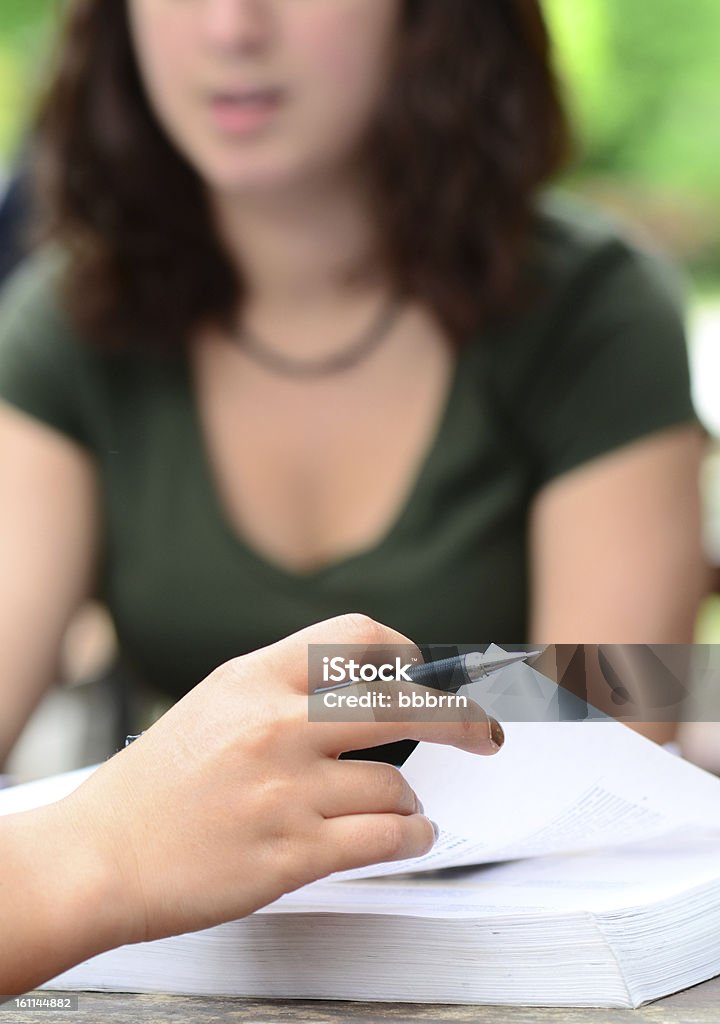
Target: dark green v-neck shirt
595, 361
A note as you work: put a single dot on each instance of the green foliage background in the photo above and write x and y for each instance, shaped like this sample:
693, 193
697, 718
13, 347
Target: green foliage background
25, 28
643, 79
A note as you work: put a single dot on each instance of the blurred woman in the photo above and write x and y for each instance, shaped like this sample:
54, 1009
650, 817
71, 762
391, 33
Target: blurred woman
304, 338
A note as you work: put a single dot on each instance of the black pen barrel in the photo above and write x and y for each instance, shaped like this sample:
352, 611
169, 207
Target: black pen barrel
447, 674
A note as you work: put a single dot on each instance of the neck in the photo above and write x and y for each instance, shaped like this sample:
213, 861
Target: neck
295, 249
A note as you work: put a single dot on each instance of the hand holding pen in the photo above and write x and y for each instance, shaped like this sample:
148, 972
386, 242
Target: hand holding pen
229, 800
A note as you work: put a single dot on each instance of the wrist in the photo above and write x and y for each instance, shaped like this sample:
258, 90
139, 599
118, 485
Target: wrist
61, 905
100, 869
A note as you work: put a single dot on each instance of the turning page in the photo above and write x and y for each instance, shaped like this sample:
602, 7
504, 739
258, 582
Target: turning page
555, 787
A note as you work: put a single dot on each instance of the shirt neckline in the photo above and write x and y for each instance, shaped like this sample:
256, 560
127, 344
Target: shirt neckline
266, 564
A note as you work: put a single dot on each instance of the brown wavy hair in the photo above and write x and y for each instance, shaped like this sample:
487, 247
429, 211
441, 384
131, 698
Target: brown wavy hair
470, 126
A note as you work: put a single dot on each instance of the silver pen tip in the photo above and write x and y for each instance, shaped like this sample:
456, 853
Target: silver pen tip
479, 666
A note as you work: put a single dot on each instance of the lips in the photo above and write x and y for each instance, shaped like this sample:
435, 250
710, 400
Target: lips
244, 112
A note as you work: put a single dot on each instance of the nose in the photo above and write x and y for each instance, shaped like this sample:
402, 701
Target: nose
242, 26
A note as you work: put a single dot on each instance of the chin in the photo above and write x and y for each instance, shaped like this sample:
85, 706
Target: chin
249, 172
239, 185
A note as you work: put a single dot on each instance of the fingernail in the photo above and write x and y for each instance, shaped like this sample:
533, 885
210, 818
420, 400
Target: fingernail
420, 808
497, 736
436, 829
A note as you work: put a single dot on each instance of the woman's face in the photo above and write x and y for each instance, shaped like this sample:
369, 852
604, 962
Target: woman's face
264, 93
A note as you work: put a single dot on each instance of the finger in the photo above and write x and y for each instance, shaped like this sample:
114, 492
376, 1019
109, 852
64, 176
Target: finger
363, 787
465, 726
357, 840
289, 657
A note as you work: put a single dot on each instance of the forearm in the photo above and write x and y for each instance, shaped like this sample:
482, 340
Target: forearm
59, 901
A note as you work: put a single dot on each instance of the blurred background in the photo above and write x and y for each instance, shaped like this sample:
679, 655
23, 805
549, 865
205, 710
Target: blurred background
643, 81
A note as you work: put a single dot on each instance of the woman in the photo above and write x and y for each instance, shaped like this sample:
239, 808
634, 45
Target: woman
307, 342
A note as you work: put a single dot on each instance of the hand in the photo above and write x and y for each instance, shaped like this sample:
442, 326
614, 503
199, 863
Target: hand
230, 800
233, 798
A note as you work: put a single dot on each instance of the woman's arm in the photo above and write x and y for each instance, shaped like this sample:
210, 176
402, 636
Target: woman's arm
48, 541
230, 800
616, 551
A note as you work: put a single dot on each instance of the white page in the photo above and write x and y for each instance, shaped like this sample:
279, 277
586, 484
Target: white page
596, 881
555, 787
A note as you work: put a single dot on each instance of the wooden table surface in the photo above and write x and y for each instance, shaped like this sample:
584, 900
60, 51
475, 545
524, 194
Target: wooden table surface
699, 1005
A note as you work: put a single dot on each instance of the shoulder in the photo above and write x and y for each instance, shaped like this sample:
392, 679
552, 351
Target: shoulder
37, 275
47, 370
50, 370
578, 252
30, 304
588, 288
596, 356
35, 325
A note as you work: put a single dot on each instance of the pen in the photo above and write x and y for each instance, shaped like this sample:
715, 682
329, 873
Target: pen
449, 674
